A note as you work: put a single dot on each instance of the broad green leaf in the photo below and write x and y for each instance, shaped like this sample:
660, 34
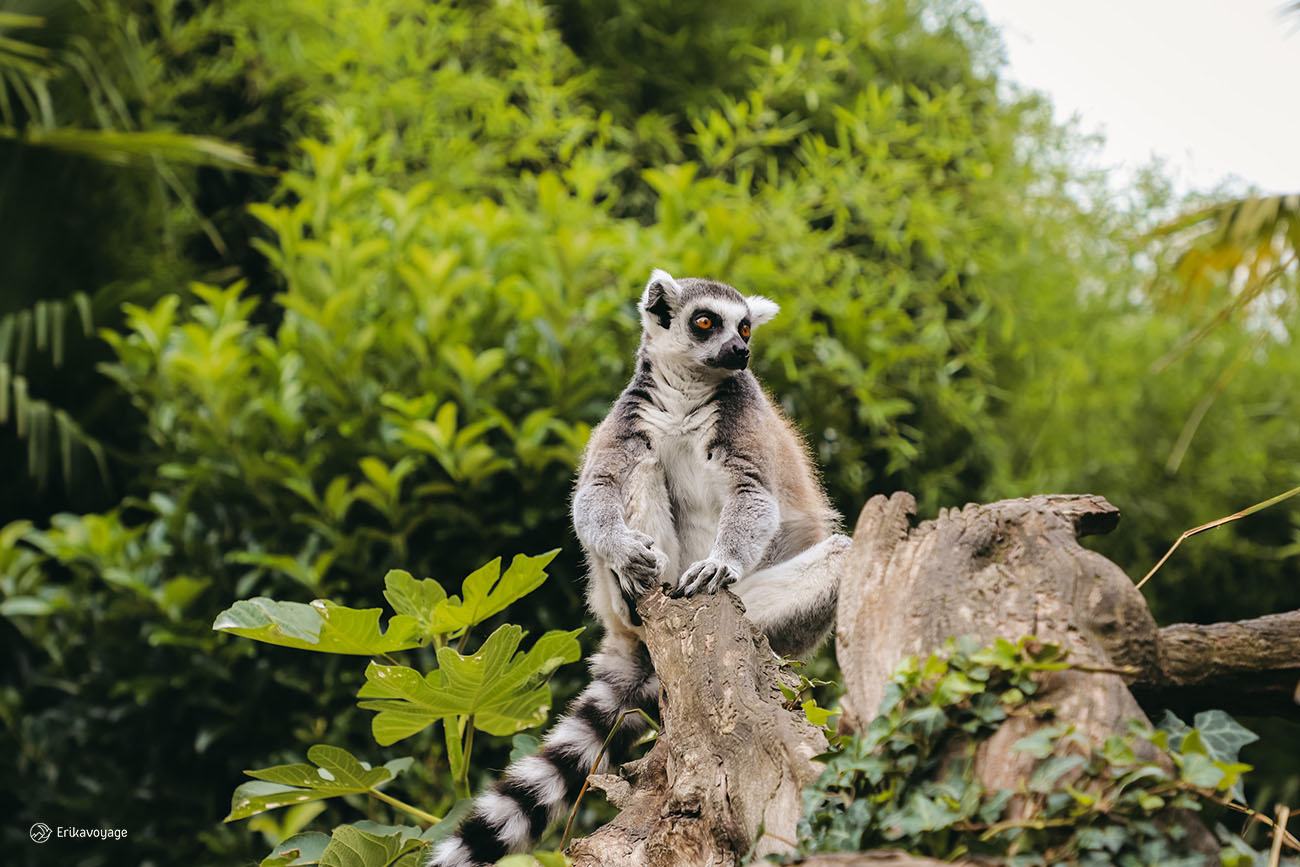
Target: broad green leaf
1046, 774
523, 745
1200, 770
1174, 728
486, 591
1041, 742
417, 599
321, 626
351, 847
505, 692
300, 850
336, 772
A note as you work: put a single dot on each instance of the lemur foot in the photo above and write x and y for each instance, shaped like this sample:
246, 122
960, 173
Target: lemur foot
708, 576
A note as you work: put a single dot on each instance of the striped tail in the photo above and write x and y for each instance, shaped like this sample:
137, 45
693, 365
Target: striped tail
539, 789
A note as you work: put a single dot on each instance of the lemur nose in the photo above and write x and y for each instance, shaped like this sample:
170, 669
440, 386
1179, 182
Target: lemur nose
734, 355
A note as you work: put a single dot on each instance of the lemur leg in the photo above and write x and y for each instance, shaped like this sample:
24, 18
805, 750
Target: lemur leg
538, 789
794, 602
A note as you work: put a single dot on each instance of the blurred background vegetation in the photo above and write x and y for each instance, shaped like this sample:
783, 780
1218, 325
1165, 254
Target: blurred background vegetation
297, 292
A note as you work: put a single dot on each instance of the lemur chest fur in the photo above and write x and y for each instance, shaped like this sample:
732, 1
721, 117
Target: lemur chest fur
679, 431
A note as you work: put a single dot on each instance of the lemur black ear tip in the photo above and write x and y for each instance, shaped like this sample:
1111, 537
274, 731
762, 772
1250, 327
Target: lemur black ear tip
661, 278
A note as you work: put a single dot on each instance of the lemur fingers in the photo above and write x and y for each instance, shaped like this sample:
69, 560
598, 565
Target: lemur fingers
708, 576
638, 564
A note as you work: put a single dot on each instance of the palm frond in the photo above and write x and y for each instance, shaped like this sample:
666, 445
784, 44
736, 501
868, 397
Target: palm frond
40, 423
43, 325
1227, 256
138, 149
25, 69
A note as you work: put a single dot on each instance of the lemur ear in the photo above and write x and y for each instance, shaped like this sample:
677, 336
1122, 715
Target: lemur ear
660, 298
761, 309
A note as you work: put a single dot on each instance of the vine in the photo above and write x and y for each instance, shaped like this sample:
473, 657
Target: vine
907, 781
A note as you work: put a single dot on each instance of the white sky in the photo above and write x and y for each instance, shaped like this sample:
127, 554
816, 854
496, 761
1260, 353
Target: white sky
1213, 86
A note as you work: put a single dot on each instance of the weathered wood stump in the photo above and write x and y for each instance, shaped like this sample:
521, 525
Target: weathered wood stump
1002, 570
730, 759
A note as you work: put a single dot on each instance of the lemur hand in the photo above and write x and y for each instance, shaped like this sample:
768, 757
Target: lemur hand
637, 563
708, 576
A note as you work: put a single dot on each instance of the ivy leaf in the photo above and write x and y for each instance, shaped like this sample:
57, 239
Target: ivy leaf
1046, 774
1199, 770
1041, 743
1176, 729
1110, 838
488, 592
1231, 781
336, 772
1222, 735
816, 714
921, 814
321, 626
503, 691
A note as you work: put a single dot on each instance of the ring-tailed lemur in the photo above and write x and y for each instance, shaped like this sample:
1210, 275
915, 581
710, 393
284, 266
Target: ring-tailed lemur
695, 481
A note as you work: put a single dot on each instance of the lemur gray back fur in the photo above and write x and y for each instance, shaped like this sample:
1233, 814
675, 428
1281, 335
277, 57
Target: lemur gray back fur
694, 482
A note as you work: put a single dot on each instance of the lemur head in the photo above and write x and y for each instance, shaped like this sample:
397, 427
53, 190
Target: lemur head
700, 323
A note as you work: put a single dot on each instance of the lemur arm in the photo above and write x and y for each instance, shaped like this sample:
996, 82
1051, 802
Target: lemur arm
598, 513
598, 501
749, 520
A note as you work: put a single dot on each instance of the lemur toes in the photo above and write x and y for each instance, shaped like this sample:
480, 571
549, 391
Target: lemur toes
708, 576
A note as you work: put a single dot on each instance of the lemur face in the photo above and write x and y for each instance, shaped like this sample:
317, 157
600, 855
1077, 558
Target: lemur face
701, 323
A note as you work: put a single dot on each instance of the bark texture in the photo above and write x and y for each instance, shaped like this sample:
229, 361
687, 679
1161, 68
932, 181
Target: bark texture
730, 760
1248, 667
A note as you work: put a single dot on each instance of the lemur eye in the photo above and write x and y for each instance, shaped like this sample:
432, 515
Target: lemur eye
744, 331
703, 322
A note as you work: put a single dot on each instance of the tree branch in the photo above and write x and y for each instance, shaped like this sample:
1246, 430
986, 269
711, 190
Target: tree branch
1249, 667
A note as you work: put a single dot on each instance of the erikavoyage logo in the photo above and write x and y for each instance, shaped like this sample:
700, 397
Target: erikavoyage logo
41, 832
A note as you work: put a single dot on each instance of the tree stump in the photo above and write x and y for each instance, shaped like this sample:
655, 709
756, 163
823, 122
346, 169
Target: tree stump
730, 761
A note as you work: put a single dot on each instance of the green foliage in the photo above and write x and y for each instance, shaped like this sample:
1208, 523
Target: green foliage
334, 772
388, 354
492, 690
907, 780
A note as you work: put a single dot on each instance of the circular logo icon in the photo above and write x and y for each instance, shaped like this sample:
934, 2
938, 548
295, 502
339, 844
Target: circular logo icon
40, 832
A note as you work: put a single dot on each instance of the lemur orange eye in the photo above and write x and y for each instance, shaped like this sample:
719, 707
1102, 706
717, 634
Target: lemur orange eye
744, 331
703, 322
